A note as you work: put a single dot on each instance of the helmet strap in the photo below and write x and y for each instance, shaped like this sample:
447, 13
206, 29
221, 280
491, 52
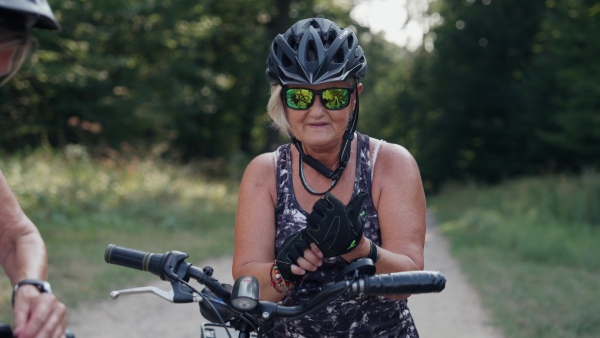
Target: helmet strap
334, 175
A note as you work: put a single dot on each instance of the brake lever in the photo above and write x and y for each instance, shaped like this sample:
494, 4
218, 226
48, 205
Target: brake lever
178, 296
166, 295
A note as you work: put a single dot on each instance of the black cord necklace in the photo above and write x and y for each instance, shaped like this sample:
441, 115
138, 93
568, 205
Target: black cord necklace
308, 188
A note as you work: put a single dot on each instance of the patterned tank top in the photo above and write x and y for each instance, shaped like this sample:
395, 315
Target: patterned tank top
347, 316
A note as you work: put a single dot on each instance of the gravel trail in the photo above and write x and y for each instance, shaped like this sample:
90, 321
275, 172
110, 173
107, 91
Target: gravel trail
455, 312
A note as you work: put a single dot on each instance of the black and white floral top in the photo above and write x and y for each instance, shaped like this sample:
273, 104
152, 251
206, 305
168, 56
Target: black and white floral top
347, 316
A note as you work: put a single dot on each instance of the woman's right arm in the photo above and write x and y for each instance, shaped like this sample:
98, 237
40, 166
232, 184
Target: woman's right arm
254, 248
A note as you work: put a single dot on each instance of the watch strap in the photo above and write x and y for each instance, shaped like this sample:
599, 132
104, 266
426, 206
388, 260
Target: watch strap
41, 285
374, 252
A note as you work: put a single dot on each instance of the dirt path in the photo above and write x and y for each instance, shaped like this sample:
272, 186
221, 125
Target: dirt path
456, 312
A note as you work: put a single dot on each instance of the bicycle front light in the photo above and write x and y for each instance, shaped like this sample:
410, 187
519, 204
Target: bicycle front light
244, 296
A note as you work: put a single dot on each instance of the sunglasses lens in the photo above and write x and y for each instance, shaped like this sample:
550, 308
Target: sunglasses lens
337, 98
298, 98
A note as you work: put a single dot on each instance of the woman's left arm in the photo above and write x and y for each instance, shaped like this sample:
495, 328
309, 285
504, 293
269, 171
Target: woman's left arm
398, 196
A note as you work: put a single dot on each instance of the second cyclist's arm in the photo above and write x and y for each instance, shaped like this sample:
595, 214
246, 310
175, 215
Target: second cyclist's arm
22, 249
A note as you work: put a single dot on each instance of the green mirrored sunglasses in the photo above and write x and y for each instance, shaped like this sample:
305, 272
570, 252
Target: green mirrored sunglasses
303, 98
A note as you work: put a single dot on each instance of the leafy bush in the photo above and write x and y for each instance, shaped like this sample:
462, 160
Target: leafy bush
80, 205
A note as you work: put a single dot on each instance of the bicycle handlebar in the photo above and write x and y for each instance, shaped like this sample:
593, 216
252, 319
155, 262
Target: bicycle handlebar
172, 267
166, 266
411, 282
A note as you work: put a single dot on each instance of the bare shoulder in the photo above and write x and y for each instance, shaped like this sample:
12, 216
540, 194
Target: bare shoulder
261, 166
392, 158
260, 174
395, 168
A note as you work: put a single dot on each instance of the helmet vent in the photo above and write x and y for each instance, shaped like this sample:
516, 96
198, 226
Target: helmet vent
329, 39
311, 54
338, 57
350, 41
285, 61
292, 42
315, 24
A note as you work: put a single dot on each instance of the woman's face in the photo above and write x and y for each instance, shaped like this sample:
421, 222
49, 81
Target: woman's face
318, 126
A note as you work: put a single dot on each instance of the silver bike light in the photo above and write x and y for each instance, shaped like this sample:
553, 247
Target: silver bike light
244, 296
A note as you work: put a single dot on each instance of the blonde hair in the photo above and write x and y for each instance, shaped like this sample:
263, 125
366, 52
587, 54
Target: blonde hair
20, 56
277, 113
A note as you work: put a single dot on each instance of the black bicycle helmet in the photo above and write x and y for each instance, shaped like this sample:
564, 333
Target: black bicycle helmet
27, 13
315, 51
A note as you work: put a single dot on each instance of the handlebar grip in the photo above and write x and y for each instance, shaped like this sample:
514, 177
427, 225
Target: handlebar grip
6, 332
410, 282
135, 259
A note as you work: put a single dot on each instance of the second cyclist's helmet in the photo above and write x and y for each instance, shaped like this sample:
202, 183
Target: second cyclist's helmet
315, 51
27, 13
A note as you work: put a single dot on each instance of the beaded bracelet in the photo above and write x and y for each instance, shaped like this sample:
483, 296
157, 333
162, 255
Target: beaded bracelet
285, 286
280, 285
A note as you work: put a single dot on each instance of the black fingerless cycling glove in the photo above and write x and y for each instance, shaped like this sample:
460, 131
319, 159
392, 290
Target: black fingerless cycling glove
336, 229
291, 249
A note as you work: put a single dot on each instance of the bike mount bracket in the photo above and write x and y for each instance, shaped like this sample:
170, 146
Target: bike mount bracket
361, 266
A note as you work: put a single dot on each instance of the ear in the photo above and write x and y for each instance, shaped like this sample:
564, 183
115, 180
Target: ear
359, 88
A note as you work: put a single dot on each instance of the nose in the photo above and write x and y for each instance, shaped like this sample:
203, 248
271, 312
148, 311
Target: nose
317, 105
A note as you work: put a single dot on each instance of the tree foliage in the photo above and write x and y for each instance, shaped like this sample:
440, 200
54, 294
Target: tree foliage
181, 78
509, 88
500, 88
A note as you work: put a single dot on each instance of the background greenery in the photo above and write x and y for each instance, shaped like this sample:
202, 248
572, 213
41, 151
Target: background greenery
80, 206
499, 88
532, 248
133, 124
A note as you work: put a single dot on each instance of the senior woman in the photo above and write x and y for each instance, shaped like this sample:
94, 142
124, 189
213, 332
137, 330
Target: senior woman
36, 311
330, 196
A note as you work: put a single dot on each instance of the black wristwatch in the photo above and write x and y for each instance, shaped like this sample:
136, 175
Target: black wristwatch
374, 253
41, 285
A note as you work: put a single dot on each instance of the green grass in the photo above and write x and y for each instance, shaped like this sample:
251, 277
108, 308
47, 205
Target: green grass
80, 206
532, 248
